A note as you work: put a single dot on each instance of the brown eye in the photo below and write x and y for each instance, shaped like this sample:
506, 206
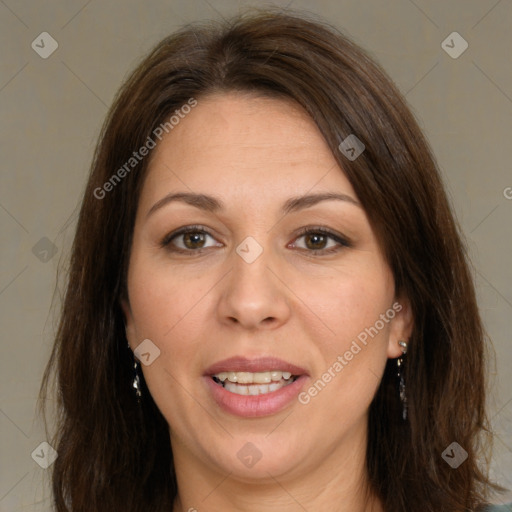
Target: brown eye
189, 239
315, 241
320, 241
194, 240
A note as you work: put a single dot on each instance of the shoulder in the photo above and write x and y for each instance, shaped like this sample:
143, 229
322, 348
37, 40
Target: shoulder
498, 508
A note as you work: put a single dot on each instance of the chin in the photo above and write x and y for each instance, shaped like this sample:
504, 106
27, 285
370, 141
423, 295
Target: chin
259, 457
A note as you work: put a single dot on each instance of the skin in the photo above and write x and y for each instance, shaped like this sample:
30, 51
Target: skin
253, 154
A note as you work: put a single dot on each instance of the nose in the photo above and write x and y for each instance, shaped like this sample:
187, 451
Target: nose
253, 294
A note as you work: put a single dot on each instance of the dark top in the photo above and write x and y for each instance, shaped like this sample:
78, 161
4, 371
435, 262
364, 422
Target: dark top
499, 508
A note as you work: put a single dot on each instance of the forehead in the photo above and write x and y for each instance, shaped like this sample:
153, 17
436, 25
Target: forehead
234, 142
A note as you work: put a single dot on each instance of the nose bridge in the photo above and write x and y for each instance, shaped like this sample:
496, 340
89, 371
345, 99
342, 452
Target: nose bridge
251, 263
252, 293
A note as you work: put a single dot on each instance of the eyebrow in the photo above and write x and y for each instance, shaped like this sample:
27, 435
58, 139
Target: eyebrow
212, 204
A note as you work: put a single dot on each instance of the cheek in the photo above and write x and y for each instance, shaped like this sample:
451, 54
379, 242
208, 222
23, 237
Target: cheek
351, 304
357, 309
174, 310
163, 301
167, 311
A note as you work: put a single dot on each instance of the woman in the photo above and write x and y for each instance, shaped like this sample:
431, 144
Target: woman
268, 306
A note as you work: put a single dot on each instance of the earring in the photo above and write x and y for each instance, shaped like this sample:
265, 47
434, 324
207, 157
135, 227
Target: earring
401, 386
136, 382
136, 379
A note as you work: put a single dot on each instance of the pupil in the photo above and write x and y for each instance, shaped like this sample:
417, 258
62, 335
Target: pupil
193, 238
315, 239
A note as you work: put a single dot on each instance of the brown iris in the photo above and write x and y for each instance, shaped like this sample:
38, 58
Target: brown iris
315, 241
192, 239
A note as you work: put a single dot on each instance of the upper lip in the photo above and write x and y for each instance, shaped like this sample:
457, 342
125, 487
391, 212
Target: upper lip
260, 364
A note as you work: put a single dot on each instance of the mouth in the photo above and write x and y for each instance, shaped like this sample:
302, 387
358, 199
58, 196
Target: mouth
254, 387
254, 383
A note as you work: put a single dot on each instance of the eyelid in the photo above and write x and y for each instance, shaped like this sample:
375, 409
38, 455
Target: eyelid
340, 239
195, 228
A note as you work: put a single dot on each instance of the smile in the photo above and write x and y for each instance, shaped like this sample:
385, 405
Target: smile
254, 387
257, 383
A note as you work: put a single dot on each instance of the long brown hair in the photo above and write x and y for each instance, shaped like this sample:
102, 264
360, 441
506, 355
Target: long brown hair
114, 454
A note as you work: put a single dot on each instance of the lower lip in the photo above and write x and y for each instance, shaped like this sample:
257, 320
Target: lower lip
254, 406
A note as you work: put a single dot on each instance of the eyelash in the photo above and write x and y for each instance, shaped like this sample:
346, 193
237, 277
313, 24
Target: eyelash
342, 241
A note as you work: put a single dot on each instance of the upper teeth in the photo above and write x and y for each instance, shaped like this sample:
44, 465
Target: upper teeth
253, 378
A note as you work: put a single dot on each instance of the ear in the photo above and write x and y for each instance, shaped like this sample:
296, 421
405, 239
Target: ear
401, 326
129, 324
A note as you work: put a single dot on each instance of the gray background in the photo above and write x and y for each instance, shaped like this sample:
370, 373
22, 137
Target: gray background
52, 110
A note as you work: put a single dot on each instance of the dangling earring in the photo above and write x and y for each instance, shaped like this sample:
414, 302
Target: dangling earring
136, 379
401, 385
136, 382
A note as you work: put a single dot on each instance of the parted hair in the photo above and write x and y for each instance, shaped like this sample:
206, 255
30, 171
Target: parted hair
113, 453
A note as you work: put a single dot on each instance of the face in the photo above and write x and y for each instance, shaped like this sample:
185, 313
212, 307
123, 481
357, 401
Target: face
271, 304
